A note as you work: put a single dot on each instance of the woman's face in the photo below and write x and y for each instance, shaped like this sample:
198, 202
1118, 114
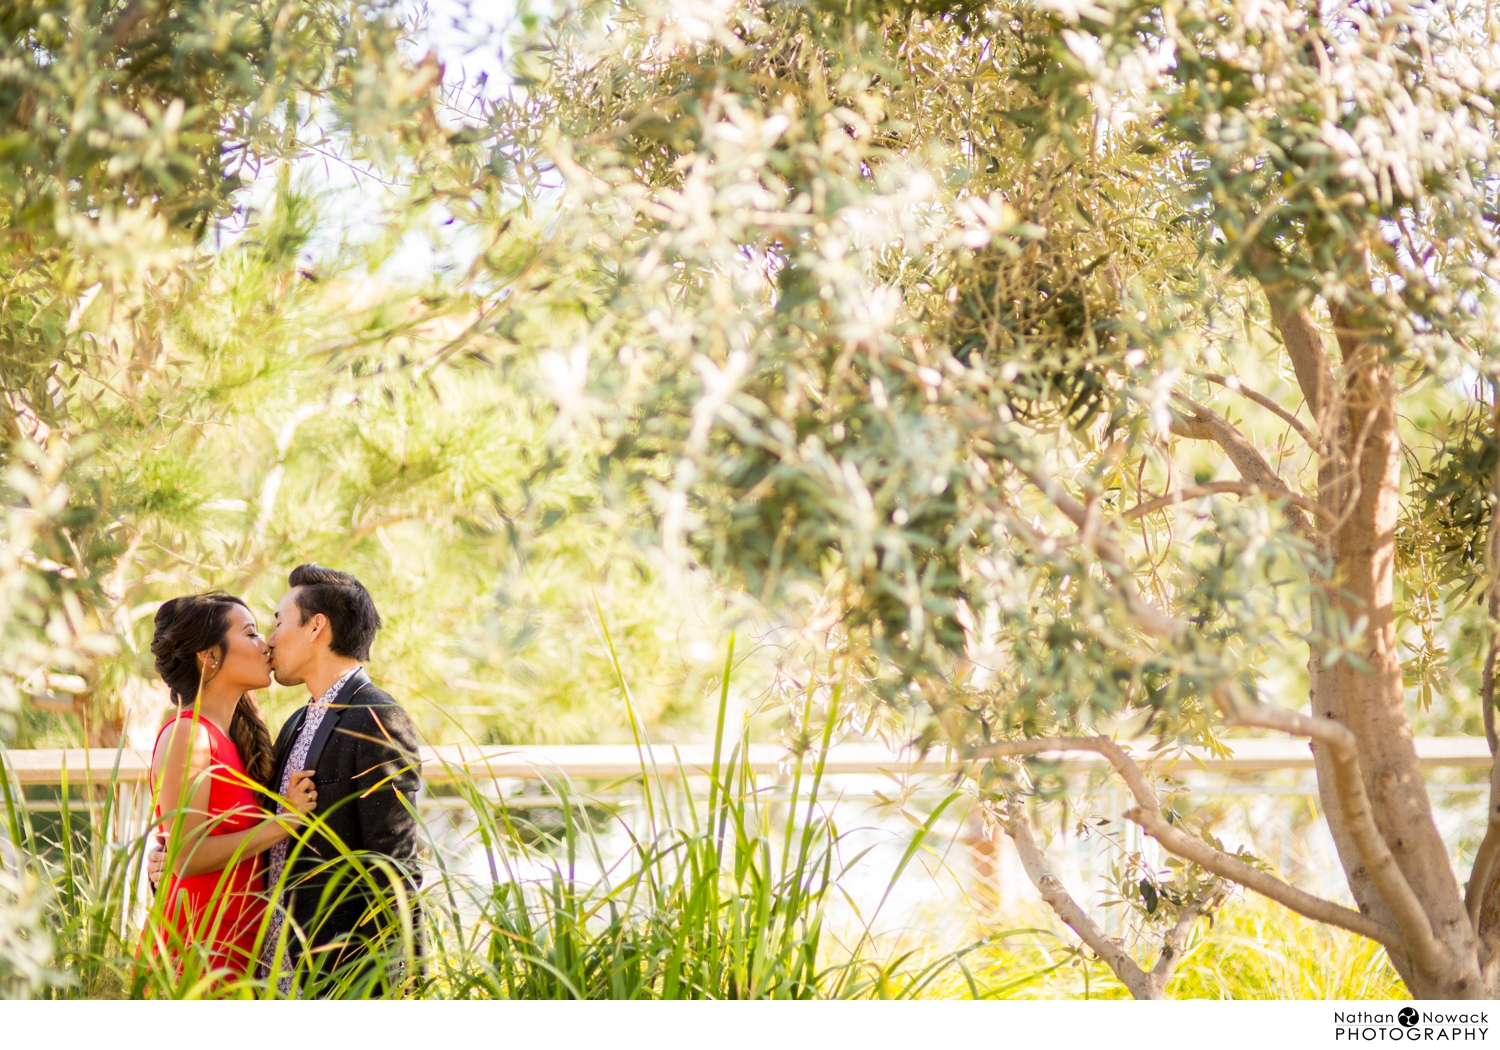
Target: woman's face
246, 663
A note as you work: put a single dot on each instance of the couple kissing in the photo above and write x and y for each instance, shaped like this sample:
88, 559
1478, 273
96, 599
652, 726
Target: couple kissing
284, 861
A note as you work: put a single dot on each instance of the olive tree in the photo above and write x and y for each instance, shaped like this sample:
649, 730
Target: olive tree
1061, 363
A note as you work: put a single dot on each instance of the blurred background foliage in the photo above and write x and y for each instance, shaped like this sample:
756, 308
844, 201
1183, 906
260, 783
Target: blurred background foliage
296, 413
790, 296
211, 382
860, 297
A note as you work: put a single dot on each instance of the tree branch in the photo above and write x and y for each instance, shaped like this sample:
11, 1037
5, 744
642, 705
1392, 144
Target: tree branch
1483, 872
1303, 341
1489, 848
1206, 424
1075, 511
1147, 813
1238, 488
1018, 827
1175, 945
1149, 616
31, 558
1231, 383
1359, 818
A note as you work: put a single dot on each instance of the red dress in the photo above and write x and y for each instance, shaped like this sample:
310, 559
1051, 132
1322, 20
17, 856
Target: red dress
218, 913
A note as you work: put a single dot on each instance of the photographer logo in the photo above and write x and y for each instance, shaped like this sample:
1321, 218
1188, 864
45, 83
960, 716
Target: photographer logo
1410, 1025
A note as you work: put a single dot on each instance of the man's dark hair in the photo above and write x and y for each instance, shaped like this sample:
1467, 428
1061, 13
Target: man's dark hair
343, 599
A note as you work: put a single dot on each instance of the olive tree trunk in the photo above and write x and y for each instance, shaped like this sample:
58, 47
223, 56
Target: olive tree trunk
1359, 487
1442, 940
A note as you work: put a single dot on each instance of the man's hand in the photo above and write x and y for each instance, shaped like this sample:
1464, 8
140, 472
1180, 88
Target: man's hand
156, 857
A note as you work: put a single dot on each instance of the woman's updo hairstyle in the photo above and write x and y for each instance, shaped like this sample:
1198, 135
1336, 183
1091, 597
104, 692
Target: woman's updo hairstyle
197, 623
186, 627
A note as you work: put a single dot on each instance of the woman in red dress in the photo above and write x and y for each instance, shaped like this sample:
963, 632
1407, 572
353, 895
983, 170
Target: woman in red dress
210, 766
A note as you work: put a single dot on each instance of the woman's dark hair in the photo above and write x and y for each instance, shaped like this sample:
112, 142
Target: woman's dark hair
352, 616
188, 626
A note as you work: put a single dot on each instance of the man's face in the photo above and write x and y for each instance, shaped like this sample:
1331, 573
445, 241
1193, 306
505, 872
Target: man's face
292, 640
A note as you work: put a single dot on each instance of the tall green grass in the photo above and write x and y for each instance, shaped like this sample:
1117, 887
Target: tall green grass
1254, 949
696, 908
719, 897
723, 894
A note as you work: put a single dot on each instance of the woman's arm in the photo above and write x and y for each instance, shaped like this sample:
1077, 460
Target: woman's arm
216, 852
183, 758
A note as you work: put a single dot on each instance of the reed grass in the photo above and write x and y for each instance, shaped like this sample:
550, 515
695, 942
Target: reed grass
695, 908
725, 895
1254, 949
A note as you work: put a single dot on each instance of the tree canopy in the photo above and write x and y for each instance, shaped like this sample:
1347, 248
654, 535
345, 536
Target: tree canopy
1061, 362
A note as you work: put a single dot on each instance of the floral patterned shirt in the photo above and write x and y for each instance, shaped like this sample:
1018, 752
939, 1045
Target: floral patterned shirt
277, 855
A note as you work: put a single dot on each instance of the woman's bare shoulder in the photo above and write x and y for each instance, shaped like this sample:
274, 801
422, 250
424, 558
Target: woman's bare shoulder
179, 738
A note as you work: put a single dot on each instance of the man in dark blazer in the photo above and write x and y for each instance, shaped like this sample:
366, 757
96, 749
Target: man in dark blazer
343, 884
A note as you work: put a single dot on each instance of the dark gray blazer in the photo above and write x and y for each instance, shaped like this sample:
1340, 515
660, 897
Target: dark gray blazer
367, 771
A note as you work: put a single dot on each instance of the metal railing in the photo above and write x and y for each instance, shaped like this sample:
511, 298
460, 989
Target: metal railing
97, 766
90, 773
866, 776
